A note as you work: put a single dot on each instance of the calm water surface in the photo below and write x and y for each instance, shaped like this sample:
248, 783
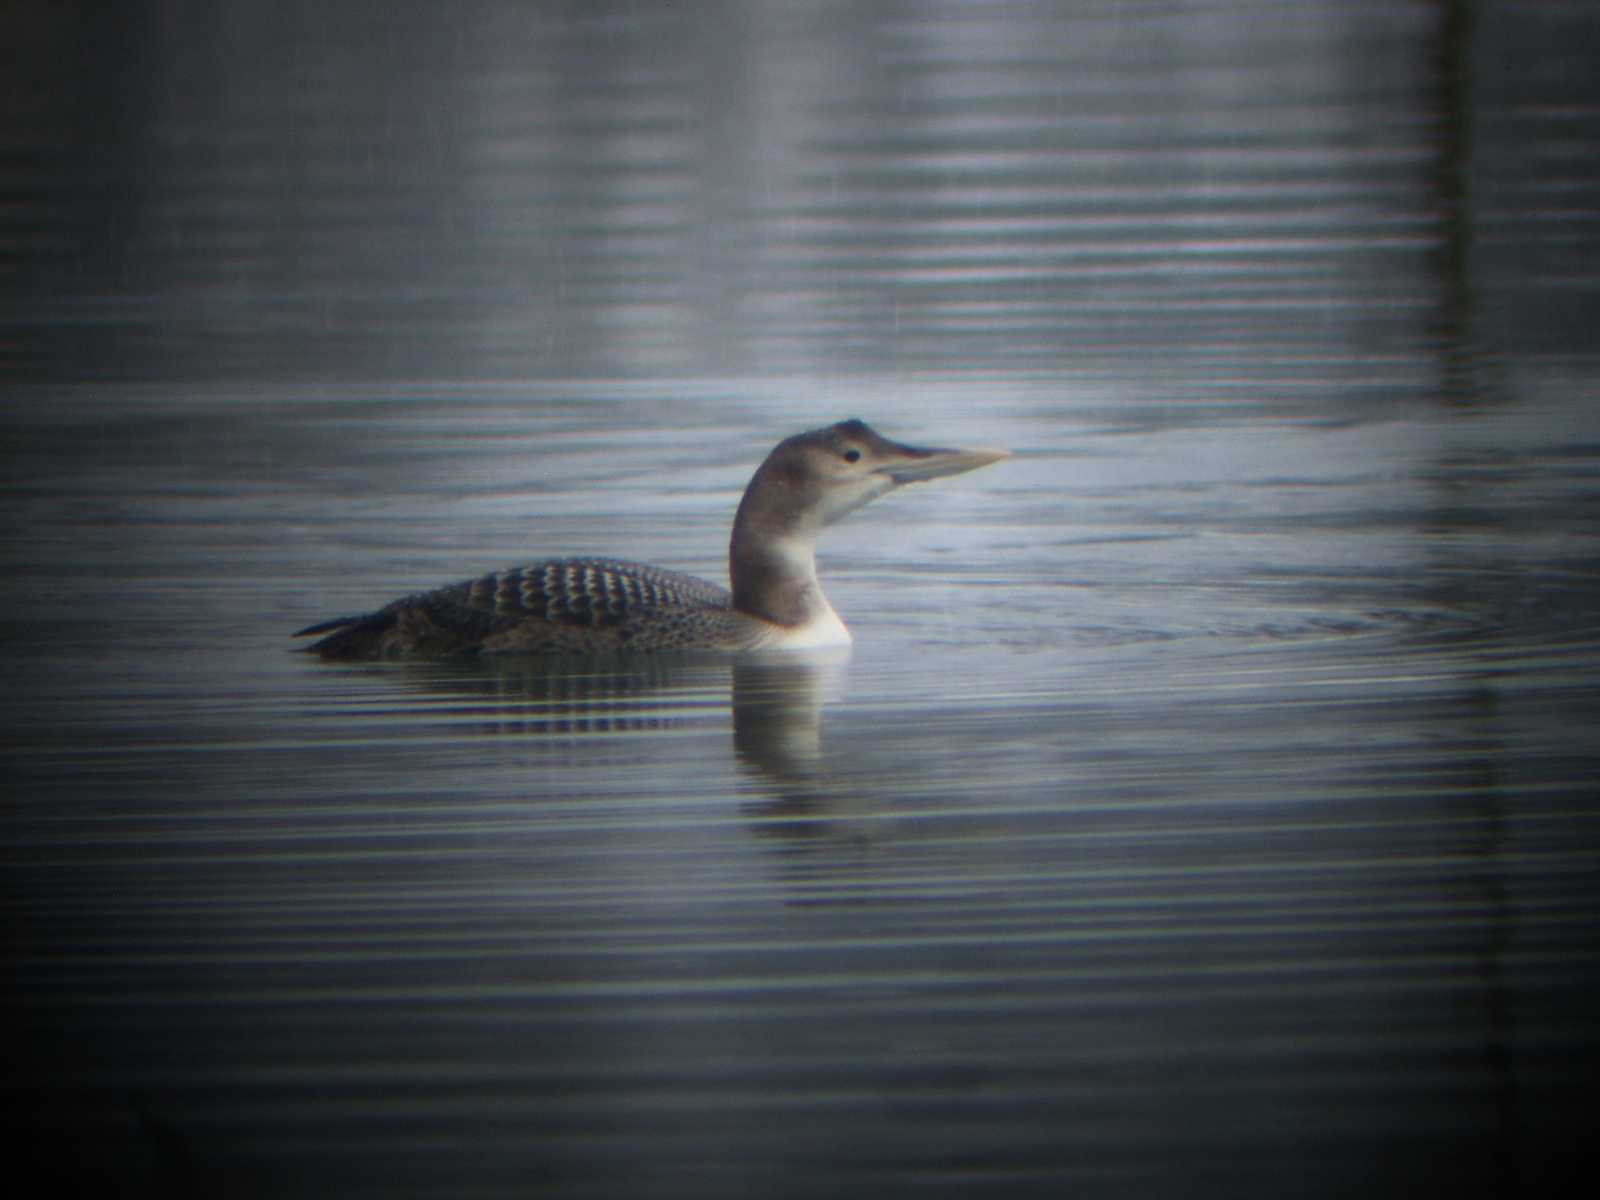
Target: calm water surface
1188, 778
1207, 807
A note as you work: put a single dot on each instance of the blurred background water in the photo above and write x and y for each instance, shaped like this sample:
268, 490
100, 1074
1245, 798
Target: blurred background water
1208, 804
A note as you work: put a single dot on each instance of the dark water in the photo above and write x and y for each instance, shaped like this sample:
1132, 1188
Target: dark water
1207, 806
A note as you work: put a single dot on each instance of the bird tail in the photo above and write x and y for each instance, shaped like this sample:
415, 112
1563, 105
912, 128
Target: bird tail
350, 637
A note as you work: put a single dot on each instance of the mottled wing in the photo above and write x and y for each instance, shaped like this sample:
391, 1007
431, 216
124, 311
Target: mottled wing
559, 606
586, 592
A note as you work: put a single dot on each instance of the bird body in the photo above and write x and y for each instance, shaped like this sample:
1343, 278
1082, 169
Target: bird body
587, 606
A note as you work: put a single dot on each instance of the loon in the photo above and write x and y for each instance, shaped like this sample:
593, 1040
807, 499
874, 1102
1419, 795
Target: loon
588, 606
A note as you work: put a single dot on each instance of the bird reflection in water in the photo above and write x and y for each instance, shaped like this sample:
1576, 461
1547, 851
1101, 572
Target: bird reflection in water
581, 709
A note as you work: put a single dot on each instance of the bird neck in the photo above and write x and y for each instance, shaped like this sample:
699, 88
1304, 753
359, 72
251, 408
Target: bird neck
772, 557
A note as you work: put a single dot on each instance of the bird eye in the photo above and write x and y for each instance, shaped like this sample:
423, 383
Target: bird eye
852, 456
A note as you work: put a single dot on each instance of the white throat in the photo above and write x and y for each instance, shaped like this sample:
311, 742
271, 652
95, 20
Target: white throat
796, 556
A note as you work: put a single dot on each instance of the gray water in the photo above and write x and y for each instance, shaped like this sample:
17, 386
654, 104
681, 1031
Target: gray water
1207, 804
